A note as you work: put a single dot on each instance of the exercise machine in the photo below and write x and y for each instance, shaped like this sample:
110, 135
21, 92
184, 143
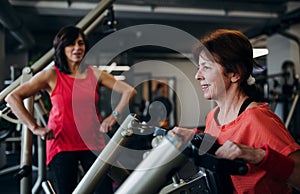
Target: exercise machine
161, 169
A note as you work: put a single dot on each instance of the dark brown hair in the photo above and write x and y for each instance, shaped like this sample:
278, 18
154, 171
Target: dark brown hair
233, 50
65, 37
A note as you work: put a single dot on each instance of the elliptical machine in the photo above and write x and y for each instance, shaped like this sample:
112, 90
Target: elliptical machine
172, 166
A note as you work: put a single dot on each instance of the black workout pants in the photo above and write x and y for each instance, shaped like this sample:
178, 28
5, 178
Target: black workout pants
64, 167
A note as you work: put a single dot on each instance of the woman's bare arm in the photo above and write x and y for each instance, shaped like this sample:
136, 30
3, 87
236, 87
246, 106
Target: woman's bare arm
40, 81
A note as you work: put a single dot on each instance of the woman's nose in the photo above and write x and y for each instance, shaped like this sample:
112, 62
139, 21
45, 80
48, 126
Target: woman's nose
198, 75
77, 45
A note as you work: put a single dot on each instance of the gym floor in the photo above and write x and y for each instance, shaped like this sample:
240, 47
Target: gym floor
8, 183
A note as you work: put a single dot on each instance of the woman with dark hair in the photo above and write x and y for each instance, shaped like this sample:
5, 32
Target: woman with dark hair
75, 128
245, 128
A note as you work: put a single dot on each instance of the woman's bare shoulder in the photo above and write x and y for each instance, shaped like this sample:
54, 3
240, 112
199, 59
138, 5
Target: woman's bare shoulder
46, 77
254, 104
46, 74
99, 74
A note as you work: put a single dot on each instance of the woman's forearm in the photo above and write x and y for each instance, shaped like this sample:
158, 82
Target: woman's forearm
126, 97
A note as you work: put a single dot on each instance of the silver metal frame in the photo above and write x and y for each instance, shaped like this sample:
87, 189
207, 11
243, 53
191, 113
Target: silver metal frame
107, 157
162, 159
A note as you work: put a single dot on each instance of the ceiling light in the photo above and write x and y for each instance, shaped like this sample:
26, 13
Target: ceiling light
189, 11
120, 77
113, 67
133, 8
251, 14
116, 68
55, 4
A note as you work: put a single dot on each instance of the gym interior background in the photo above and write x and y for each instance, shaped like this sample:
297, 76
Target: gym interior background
27, 29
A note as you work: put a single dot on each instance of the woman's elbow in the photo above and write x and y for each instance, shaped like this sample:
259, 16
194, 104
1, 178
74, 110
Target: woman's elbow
13, 98
8, 98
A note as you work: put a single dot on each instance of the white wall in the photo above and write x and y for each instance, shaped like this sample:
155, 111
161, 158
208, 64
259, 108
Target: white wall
192, 107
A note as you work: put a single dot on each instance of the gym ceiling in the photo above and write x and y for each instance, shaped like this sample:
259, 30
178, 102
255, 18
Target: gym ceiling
32, 24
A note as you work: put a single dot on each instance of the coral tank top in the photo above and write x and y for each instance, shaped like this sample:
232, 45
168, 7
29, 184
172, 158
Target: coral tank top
74, 116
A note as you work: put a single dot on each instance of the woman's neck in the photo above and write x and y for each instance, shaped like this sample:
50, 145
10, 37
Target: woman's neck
229, 107
75, 70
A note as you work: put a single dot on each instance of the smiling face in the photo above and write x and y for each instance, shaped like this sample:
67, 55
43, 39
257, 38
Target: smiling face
212, 79
75, 51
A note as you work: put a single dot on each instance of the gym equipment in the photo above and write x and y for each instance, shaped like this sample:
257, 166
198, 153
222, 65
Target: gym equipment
107, 161
164, 163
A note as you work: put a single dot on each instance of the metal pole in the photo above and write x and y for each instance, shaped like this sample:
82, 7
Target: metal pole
48, 188
152, 173
291, 113
108, 156
92, 15
96, 22
42, 175
40, 112
26, 143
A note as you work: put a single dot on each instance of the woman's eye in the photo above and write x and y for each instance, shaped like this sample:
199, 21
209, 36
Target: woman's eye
81, 43
205, 67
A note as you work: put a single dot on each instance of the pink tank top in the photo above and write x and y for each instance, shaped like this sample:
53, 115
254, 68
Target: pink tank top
74, 116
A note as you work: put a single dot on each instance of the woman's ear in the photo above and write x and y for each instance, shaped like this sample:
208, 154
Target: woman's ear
235, 77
